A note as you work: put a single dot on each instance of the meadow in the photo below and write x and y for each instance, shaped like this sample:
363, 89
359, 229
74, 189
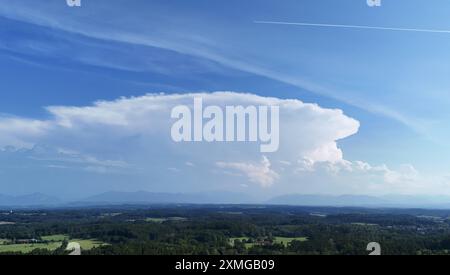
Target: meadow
276, 240
52, 242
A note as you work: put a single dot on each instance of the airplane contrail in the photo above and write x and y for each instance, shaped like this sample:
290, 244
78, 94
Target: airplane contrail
351, 26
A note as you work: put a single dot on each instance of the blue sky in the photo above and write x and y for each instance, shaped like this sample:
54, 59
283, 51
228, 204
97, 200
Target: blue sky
394, 83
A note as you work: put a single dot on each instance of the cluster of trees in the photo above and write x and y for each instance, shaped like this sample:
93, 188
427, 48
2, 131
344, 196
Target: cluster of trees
208, 230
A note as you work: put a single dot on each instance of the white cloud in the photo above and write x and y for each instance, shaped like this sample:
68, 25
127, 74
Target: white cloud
21, 132
259, 173
173, 169
356, 177
306, 129
134, 134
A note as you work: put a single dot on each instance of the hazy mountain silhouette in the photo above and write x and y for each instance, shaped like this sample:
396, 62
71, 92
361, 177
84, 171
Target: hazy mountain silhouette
144, 197
220, 197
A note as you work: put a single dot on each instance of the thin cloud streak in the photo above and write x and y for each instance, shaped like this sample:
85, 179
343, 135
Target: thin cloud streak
352, 27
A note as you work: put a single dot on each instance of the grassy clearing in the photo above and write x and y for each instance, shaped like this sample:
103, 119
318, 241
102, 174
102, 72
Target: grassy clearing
364, 224
53, 242
277, 240
161, 220
156, 220
85, 244
26, 248
105, 215
88, 244
55, 238
285, 241
242, 239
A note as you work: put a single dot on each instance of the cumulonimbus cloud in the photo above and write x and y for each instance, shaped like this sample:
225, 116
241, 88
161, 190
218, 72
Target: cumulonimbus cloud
136, 132
306, 129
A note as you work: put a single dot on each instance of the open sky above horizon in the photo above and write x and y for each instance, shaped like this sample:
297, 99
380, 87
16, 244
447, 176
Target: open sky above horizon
81, 108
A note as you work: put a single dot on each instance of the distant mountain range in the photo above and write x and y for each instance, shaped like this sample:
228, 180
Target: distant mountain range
144, 197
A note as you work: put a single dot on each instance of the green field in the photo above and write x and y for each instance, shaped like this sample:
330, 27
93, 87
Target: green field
26, 248
55, 238
88, 244
156, 220
161, 220
54, 242
285, 241
364, 224
277, 240
242, 239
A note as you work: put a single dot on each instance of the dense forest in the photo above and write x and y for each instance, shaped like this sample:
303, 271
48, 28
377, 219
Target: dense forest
225, 230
